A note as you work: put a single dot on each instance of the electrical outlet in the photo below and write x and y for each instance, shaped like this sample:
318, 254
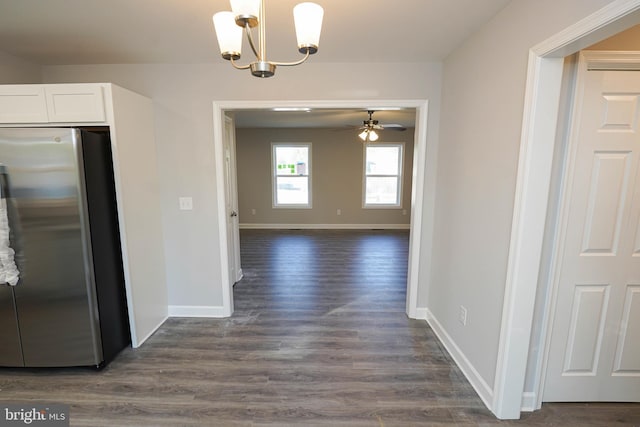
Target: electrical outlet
186, 203
462, 315
404, 211
339, 212
253, 211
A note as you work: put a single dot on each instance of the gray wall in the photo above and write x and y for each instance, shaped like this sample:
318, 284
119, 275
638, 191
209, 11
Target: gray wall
183, 96
481, 120
337, 163
18, 71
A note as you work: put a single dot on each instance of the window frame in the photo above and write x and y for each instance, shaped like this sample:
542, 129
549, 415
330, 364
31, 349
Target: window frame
400, 176
274, 176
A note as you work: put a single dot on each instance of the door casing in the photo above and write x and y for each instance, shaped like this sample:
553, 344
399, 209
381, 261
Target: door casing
425, 159
537, 145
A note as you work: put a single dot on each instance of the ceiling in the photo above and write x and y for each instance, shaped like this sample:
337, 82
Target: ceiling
72, 32
321, 118
75, 32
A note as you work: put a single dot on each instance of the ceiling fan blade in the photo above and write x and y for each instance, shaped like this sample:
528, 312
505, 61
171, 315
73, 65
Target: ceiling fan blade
393, 126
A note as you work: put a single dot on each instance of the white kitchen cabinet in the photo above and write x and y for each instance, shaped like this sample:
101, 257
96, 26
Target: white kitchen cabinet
23, 104
75, 103
59, 103
129, 117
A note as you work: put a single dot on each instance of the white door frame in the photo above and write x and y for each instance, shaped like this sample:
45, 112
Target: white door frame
542, 98
419, 245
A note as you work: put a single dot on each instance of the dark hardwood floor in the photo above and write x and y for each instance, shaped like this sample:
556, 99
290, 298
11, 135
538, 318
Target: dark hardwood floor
319, 337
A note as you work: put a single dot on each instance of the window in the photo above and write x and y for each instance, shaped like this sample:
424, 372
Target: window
291, 175
383, 175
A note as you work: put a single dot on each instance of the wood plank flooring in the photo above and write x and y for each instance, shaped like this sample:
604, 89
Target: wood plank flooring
319, 337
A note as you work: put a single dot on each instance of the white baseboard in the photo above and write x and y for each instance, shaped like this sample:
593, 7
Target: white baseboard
197, 311
477, 382
325, 226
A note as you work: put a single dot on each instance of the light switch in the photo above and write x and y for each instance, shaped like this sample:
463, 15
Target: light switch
186, 203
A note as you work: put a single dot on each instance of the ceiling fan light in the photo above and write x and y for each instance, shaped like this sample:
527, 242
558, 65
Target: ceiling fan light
363, 135
373, 136
229, 35
246, 11
308, 21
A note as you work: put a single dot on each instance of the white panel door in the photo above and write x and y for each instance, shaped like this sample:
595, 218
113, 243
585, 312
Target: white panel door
594, 352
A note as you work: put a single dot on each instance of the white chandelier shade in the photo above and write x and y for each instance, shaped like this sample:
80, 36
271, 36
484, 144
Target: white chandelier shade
308, 21
369, 135
247, 14
229, 34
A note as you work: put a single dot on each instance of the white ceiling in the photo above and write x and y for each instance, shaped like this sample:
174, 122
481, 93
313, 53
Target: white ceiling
327, 118
73, 32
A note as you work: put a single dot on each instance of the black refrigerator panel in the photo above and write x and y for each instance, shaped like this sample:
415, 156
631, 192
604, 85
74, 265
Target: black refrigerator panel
105, 243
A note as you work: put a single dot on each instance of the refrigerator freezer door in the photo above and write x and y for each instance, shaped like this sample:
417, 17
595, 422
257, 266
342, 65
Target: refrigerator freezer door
56, 309
10, 351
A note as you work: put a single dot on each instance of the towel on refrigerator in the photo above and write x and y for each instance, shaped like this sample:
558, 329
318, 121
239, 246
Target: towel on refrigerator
8, 270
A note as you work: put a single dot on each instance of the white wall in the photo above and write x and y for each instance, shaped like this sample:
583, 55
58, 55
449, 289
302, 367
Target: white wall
14, 70
183, 96
483, 99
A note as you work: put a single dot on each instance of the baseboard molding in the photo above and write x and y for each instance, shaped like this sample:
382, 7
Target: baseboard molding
477, 382
197, 311
529, 402
325, 226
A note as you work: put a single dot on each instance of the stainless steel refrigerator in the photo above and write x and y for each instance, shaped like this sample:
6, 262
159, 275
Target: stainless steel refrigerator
68, 307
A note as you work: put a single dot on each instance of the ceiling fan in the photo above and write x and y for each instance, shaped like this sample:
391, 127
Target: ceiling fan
369, 128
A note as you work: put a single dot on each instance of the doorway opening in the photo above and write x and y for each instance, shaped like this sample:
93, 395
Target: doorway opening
543, 91
421, 162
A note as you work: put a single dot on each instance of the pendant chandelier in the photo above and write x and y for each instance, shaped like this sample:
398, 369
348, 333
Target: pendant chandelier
247, 14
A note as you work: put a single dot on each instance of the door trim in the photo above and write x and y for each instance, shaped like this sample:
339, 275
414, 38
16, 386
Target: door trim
544, 76
425, 159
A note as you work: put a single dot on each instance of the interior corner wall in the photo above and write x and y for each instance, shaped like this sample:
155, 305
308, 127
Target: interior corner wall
336, 178
14, 70
183, 96
481, 119
628, 40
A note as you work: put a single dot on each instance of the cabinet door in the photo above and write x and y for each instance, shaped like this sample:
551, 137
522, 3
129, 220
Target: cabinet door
23, 104
75, 103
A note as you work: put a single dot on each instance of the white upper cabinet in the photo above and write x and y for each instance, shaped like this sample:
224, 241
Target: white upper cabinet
23, 104
75, 103
59, 103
